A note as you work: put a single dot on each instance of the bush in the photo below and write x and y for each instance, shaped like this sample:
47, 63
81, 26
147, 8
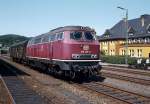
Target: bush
118, 60
113, 59
132, 61
102, 52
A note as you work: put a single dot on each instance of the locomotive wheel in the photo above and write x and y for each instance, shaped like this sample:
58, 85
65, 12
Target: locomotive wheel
49, 70
69, 74
72, 74
89, 74
86, 75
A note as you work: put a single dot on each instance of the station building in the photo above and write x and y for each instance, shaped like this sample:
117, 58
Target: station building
113, 41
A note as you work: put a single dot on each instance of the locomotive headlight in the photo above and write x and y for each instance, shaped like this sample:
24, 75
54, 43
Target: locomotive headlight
94, 56
75, 56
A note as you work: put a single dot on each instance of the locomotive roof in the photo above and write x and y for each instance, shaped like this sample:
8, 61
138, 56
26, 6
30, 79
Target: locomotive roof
65, 28
19, 43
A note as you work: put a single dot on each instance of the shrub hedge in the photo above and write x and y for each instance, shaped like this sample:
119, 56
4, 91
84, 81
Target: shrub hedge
118, 60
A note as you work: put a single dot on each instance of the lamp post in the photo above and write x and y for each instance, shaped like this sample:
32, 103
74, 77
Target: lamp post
126, 28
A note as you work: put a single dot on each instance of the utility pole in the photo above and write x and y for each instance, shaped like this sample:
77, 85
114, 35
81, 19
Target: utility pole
126, 35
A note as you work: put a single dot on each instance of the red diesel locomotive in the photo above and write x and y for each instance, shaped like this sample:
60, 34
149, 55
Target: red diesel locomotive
69, 51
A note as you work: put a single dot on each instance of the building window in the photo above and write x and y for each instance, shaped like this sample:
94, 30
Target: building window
139, 51
132, 53
106, 52
136, 40
148, 28
145, 40
129, 40
139, 40
131, 34
111, 52
123, 52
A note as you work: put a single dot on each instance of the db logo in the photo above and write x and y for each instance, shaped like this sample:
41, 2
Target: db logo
86, 47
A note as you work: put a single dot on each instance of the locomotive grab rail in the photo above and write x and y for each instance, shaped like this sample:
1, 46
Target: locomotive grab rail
66, 60
77, 60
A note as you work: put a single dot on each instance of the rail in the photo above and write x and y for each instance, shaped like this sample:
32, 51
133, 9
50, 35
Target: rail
126, 78
119, 94
7, 97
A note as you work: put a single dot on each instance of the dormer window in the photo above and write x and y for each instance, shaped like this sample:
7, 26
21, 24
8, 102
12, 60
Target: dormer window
148, 28
107, 33
131, 31
130, 34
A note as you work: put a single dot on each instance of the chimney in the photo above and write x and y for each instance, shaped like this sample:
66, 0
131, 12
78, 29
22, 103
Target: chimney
143, 17
142, 22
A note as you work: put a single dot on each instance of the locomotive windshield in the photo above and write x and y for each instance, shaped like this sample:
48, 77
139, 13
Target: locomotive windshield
76, 35
88, 36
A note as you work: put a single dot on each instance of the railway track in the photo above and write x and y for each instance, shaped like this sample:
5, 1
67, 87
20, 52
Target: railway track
122, 95
126, 78
125, 70
6, 98
115, 93
20, 92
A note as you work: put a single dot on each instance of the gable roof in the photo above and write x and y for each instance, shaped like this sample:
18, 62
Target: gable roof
118, 31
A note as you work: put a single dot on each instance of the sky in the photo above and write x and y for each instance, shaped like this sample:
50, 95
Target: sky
34, 17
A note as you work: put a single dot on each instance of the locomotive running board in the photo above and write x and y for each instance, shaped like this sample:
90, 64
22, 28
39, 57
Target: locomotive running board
66, 60
77, 60
38, 58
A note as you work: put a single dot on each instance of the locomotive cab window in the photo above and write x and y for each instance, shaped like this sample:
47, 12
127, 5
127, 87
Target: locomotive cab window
31, 42
38, 40
60, 36
76, 35
52, 37
45, 39
88, 36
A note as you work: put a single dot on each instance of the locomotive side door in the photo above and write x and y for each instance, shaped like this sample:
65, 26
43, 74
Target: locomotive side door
51, 50
57, 48
52, 39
